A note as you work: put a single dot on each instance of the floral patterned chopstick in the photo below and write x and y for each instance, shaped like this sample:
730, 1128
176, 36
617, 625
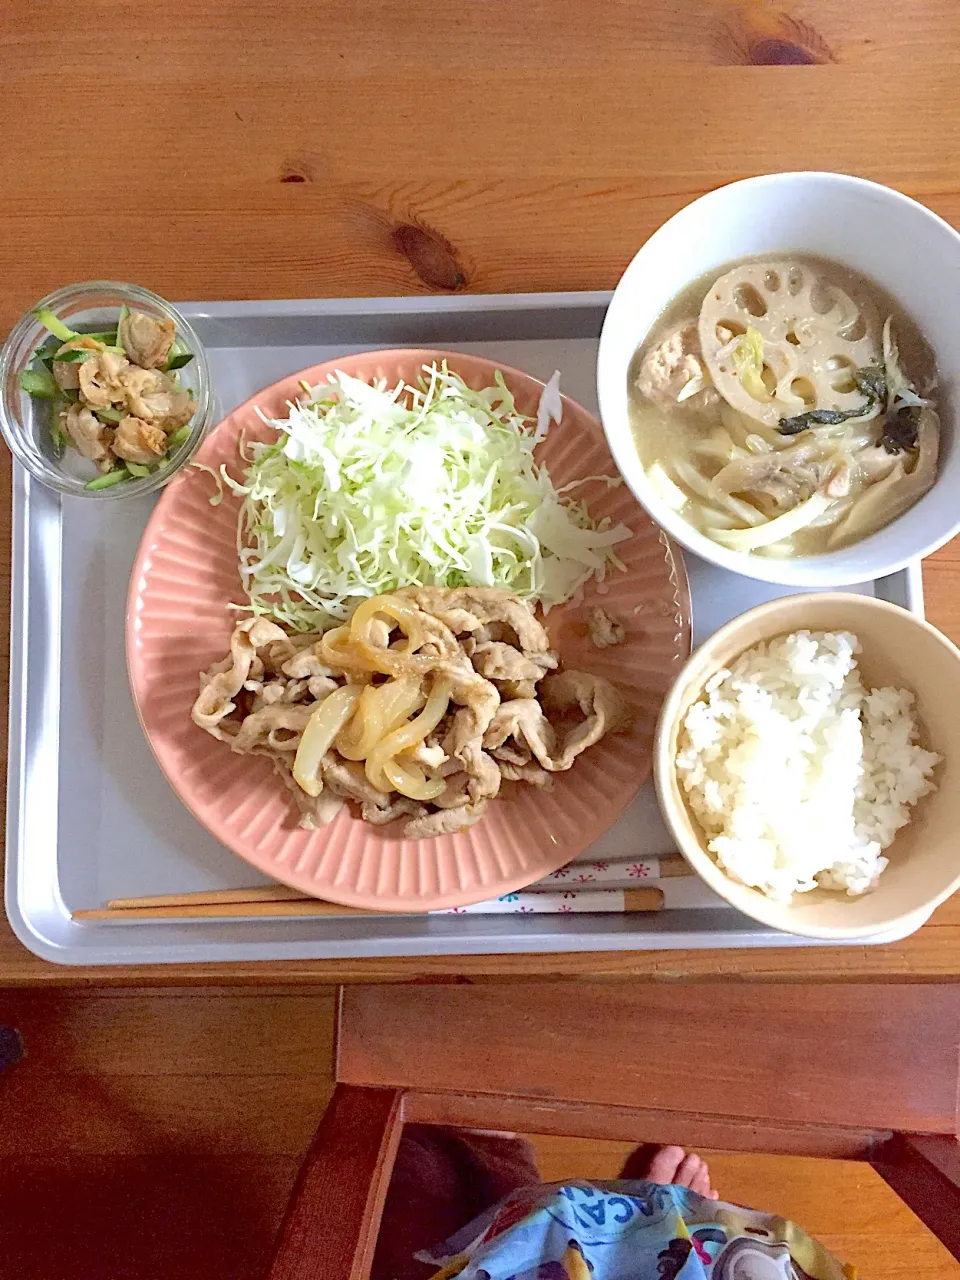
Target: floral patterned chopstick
607, 872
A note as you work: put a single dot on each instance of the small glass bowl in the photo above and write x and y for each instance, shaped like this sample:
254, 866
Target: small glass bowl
25, 421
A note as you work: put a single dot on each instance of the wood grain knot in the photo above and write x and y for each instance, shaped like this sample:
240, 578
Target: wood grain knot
300, 169
781, 53
432, 257
763, 35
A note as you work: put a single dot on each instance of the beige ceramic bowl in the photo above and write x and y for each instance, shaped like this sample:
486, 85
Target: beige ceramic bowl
898, 649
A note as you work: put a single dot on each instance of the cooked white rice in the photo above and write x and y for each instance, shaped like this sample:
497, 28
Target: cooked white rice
798, 775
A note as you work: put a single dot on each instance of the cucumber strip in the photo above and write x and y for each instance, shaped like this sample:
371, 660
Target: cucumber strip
124, 312
39, 383
178, 361
110, 415
76, 355
55, 325
138, 469
109, 480
179, 437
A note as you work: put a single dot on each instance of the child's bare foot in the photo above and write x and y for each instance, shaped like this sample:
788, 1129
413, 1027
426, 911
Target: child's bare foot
674, 1165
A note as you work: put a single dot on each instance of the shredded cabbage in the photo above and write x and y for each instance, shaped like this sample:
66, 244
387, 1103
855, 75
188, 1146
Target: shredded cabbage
748, 361
216, 497
369, 489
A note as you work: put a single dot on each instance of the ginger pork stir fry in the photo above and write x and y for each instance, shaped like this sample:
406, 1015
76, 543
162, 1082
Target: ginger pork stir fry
116, 395
418, 708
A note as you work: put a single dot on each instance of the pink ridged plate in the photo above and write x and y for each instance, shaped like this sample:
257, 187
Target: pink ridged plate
178, 624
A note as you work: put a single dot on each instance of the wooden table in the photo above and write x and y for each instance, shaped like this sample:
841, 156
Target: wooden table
303, 148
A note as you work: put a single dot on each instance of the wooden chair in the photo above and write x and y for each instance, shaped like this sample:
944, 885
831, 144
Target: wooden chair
853, 1072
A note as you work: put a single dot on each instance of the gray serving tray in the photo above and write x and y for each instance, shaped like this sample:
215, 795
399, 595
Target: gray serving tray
90, 817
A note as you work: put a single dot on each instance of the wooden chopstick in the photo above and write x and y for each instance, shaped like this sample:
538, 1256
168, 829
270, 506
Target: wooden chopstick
631, 901
669, 867
213, 897
224, 910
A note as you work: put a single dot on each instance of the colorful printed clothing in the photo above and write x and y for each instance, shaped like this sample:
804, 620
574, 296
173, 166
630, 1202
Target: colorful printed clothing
629, 1231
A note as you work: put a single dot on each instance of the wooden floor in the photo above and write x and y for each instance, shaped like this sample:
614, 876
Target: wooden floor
156, 1136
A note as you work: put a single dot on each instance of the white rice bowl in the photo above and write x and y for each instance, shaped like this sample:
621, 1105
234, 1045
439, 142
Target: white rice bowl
799, 775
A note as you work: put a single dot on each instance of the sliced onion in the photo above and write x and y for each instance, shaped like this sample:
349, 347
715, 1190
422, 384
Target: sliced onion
784, 526
326, 721
411, 781
408, 735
